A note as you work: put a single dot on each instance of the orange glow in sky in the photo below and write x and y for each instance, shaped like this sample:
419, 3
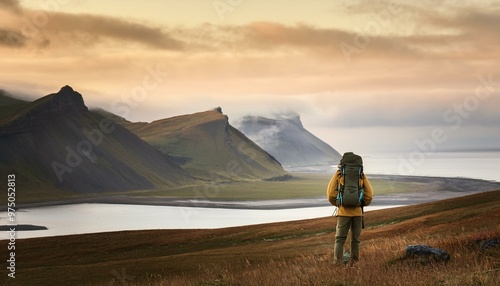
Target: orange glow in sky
390, 70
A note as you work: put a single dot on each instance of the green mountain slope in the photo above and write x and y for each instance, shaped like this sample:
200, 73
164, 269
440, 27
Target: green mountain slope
9, 106
209, 148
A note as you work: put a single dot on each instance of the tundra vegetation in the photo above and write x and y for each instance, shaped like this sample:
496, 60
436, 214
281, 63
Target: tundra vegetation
290, 253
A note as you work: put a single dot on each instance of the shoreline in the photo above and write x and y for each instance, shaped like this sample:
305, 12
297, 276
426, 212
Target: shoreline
419, 190
151, 251
439, 188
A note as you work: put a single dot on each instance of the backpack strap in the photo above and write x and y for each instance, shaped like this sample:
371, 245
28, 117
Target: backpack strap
340, 187
361, 187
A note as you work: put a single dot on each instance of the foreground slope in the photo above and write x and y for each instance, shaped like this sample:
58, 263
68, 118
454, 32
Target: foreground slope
291, 253
209, 148
288, 141
56, 143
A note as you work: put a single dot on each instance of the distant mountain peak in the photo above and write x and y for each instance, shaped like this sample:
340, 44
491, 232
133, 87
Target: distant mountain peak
285, 138
66, 101
274, 120
286, 116
66, 89
293, 118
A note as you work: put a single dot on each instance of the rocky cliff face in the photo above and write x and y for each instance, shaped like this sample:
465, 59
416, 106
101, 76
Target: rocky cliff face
65, 102
288, 141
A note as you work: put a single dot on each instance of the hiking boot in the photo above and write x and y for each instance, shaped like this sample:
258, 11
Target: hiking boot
346, 257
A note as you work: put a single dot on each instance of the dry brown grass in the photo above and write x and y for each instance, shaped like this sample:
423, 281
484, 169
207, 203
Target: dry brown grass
381, 265
292, 253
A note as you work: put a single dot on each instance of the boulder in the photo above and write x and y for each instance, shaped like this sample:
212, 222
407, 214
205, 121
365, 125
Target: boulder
489, 243
427, 252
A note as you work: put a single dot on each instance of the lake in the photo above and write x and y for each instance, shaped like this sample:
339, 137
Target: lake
91, 218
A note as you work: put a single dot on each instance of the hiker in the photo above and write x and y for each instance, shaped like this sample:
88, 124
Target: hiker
349, 190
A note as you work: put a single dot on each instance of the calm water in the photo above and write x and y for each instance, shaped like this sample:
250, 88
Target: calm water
91, 218
477, 165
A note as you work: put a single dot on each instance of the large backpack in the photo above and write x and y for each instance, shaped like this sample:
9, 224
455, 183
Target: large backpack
350, 194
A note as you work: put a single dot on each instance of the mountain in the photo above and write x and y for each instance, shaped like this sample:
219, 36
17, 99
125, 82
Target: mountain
7, 99
55, 142
209, 148
288, 141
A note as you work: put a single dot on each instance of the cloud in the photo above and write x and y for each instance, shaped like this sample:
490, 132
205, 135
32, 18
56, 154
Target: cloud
11, 5
83, 30
452, 36
441, 108
458, 33
268, 34
91, 29
405, 73
389, 31
479, 30
273, 38
11, 38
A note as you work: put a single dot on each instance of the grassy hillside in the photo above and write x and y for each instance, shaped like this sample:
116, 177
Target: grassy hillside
9, 107
292, 253
209, 148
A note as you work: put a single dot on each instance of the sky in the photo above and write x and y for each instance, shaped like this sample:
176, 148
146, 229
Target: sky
365, 76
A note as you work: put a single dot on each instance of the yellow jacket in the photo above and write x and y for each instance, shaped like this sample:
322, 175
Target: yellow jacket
332, 191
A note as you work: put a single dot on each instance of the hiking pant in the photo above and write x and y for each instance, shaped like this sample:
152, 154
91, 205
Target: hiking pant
344, 224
